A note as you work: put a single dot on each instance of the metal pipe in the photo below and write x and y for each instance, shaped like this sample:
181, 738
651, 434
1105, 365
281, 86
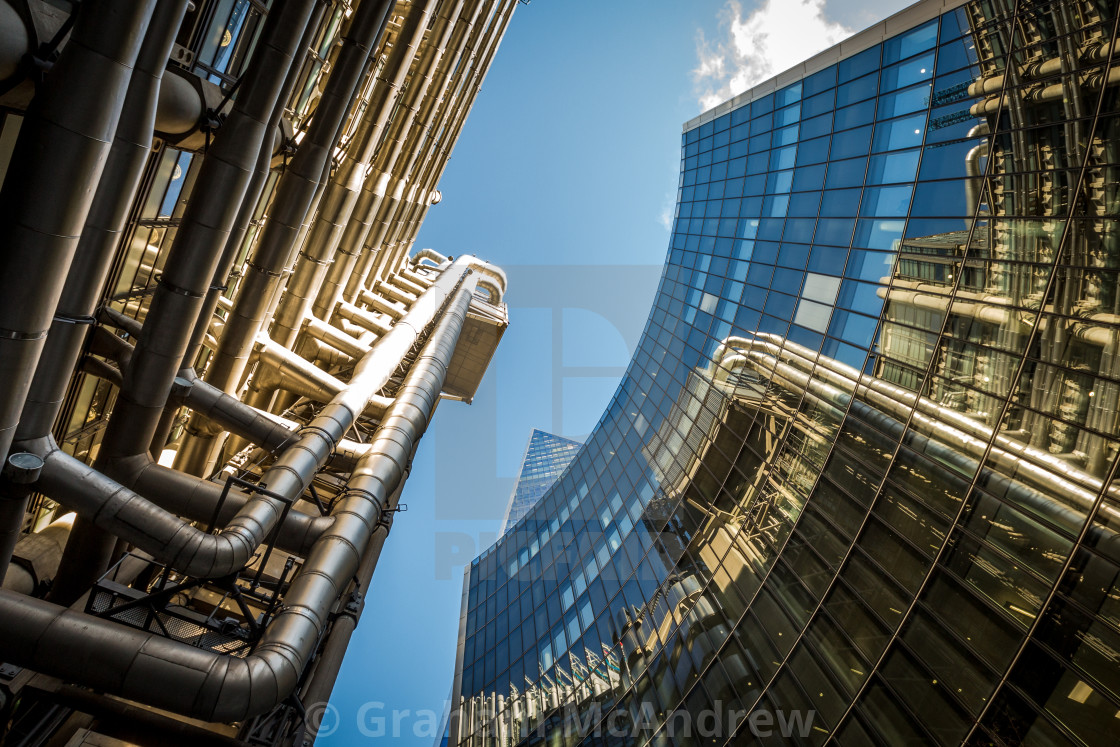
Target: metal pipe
113, 508
15, 41
328, 664
61, 149
342, 193
404, 283
379, 303
39, 554
221, 184
198, 444
428, 253
294, 196
355, 235
104, 227
358, 248
230, 413
197, 500
283, 369
396, 234
249, 205
336, 338
202, 684
390, 181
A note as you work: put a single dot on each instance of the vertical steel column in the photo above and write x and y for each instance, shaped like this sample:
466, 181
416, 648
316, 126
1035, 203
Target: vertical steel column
342, 194
57, 161
294, 198
221, 185
108, 218
405, 215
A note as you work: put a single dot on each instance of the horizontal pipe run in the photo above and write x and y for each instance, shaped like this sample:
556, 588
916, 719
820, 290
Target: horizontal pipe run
362, 318
335, 337
379, 303
284, 369
230, 413
203, 684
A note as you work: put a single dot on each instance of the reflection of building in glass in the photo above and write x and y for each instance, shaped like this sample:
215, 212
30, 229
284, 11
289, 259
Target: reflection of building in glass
861, 466
546, 457
218, 349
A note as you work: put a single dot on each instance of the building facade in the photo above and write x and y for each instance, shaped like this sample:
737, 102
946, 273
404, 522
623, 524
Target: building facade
857, 484
218, 347
546, 457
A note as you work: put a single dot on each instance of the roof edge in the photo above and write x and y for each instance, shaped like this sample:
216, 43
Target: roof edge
902, 20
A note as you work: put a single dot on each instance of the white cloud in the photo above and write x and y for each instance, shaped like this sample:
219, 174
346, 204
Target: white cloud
665, 217
774, 37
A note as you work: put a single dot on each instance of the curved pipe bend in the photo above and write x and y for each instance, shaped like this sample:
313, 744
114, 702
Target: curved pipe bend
216, 687
123, 512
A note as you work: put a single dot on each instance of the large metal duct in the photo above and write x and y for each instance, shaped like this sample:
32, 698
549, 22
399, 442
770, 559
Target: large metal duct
201, 684
408, 204
398, 231
294, 198
391, 160
58, 159
219, 189
36, 556
15, 41
356, 244
108, 218
115, 509
342, 192
218, 284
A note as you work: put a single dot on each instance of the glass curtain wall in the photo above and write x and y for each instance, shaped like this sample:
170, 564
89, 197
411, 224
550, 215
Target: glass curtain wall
861, 466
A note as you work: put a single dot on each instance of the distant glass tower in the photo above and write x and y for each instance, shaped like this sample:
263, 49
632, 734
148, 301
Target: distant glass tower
858, 484
546, 457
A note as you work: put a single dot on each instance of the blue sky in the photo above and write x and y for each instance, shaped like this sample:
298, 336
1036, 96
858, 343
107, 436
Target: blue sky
565, 176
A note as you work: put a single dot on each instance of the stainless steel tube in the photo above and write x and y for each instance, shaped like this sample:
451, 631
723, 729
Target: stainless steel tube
219, 189
114, 508
61, 150
294, 197
214, 687
108, 218
342, 193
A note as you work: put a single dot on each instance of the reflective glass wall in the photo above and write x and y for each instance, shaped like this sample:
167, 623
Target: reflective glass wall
857, 485
546, 457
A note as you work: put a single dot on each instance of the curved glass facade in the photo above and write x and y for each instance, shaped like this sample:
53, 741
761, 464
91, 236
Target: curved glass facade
546, 457
857, 483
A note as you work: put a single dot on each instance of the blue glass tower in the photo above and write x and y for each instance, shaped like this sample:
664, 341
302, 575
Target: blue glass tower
857, 484
546, 457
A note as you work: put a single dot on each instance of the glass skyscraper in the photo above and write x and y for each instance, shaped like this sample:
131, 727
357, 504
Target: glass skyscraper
546, 456
857, 484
